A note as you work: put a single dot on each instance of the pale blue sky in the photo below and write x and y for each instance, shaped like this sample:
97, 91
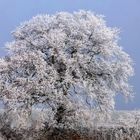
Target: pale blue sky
124, 14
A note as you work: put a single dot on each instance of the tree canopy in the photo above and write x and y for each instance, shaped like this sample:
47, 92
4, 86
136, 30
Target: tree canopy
66, 62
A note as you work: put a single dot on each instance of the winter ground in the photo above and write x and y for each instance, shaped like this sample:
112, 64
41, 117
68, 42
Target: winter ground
123, 125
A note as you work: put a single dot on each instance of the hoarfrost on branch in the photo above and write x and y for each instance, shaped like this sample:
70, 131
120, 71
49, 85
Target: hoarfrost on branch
66, 62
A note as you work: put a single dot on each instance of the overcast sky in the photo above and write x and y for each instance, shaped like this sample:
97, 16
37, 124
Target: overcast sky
124, 14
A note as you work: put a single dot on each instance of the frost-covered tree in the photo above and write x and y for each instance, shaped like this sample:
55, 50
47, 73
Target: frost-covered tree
66, 63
